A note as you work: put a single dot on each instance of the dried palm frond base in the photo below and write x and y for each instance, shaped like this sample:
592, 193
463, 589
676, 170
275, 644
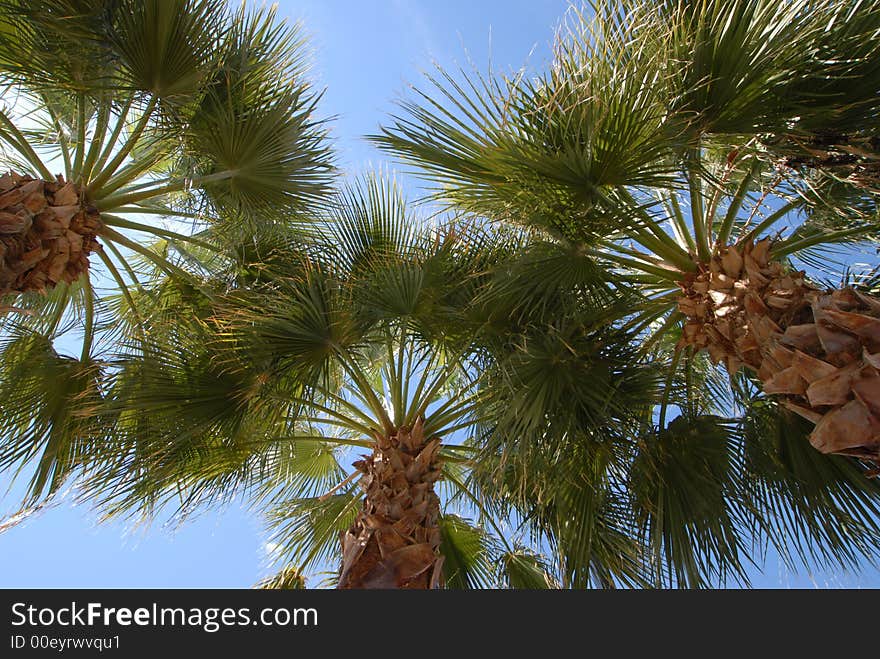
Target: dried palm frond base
854, 159
818, 350
395, 540
46, 233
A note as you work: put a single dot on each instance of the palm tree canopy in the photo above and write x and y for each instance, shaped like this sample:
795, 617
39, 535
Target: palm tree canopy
633, 88
308, 349
180, 128
592, 452
168, 120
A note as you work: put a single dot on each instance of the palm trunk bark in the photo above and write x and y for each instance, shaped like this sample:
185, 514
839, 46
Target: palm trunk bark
47, 232
818, 350
395, 540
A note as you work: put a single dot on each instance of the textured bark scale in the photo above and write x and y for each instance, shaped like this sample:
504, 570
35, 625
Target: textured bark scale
395, 540
46, 233
818, 350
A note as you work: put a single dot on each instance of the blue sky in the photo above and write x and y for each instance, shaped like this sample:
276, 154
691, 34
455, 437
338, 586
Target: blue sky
365, 53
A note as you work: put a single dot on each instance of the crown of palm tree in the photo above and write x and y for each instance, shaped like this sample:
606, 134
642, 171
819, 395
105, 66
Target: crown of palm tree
174, 126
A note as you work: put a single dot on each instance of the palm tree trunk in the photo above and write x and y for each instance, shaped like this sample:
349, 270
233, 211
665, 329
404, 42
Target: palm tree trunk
46, 233
819, 350
395, 540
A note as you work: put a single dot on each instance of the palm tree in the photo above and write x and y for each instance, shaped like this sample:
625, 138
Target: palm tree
176, 125
661, 143
175, 109
363, 335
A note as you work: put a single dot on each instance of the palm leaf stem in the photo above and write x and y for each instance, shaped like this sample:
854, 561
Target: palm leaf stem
89, 319
116, 221
114, 136
680, 223
735, 204
158, 260
451, 410
789, 247
667, 248
117, 276
101, 123
176, 185
639, 266
95, 185
132, 171
698, 219
18, 141
339, 400
148, 210
80, 150
125, 264
63, 141
662, 243
364, 388
480, 506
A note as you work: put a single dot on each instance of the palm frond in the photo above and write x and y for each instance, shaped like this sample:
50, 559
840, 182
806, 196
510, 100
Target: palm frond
467, 554
683, 484
813, 509
48, 411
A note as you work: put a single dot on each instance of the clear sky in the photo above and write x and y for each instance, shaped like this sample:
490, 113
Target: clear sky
366, 53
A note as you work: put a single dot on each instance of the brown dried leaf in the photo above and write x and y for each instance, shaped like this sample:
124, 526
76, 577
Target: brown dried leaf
764, 328
11, 198
389, 540
410, 561
833, 389
869, 301
721, 299
717, 353
782, 355
802, 337
810, 368
720, 282
778, 302
63, 214
847, 427
14, 223
859, 324
35, 202
761, 252
756, 276
733, 364
66, 195
867, 390
691, 307
805, 412
437, 574
840, 347
754, 304
732, 262
786, 381
845, 299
